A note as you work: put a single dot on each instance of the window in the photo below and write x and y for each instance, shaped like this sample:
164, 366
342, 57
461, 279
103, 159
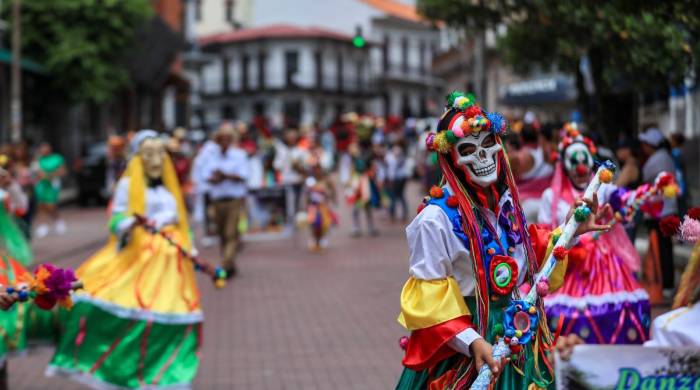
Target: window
198, 10
360, 68
245, 62
422, 55
318, 63
229, 6
404, 55
291, 63
259, 109
262, 57
339, 72
385, 54
292, 112
227, 112
225, 76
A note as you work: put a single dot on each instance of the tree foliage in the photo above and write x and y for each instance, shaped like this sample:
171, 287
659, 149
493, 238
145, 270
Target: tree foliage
82, 42
632, 45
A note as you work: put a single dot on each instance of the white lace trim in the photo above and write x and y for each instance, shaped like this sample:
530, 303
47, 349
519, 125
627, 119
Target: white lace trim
139, 314
94, 383
637, 295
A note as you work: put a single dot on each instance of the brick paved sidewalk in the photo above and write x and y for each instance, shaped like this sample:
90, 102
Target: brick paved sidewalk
289, 320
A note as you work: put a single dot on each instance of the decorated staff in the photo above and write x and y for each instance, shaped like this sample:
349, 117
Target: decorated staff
521, 315
48, 286
217, 274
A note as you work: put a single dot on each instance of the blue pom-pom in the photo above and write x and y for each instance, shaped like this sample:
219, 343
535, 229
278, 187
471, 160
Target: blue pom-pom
23, 296
615, 199
10, 290
498, 124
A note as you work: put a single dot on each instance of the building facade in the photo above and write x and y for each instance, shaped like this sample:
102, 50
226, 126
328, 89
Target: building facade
310, 70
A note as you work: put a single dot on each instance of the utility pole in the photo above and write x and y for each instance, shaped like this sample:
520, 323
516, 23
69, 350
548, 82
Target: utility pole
16, 104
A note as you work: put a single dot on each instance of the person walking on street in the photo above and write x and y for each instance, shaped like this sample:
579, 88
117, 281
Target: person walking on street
658, 159
227, 175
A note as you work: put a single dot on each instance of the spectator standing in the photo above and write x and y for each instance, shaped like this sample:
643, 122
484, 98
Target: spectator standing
289, 161
654, 148
227, 173
677, 141
398, 171
629, 176
50, 168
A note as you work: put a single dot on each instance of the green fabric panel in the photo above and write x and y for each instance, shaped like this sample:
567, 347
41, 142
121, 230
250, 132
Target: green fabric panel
509, 379
13, 240
121, 367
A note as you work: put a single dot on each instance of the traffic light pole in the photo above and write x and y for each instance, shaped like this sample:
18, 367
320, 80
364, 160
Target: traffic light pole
16, 98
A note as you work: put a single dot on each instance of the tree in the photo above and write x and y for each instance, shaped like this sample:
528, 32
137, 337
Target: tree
631, 46
82, 43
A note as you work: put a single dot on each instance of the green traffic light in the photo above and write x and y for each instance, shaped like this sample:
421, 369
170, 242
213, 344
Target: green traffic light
358, 41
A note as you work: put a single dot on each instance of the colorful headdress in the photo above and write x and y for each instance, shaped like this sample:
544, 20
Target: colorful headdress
462, 118
573, 135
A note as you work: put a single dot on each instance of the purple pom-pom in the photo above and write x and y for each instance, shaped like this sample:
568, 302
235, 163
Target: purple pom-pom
59, 282
615, 199
543, 287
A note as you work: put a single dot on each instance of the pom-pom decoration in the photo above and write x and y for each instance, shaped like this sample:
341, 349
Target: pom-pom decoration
429, 141
671, 191
440, 143
472, 111
436, 192
497, 123
669, 225
606, 176
48, 286
582, 213
478, 123
694, 213
689, 230
542, 288
560, 253
452, 202
403, 342
451, 137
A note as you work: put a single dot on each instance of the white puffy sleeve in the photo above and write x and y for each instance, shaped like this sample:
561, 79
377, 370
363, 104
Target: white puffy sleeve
432, 245
120, 199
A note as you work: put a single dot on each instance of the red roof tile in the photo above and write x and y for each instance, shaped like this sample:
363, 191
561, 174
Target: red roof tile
272, 31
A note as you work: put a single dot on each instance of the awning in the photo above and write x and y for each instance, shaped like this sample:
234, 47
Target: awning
545, 90
26, 64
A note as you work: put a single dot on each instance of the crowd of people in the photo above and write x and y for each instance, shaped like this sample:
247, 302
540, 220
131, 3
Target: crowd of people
498, 212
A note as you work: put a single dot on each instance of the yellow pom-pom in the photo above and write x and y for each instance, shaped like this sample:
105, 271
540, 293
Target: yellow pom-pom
441, 144
220, 283
460, 100
671, 191
606, 176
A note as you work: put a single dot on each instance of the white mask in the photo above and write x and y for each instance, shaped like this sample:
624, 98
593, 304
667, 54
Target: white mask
477, 154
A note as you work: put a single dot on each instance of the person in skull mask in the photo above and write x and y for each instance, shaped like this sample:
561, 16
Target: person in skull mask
139, 313
469, 250
600, 299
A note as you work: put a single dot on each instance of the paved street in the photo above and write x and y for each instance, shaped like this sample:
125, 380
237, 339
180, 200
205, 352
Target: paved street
289, 320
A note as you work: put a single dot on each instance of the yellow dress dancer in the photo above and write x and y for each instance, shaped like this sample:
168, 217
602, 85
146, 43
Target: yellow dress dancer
137, 324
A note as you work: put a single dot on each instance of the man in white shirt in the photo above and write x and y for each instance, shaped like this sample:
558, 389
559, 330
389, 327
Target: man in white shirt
227, 173
658, 159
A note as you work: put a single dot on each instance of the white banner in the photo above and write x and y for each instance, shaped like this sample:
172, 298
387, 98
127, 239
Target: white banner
603, 367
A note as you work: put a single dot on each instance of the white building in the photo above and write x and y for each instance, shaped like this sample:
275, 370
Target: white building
284, 73
390, 76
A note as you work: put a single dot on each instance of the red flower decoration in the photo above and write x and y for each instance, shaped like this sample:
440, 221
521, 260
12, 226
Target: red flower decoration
436, 192
694, 213
560, 253
452, 201
669, 225
503, 274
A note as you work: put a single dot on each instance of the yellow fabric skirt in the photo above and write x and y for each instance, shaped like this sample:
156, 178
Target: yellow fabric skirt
148, 275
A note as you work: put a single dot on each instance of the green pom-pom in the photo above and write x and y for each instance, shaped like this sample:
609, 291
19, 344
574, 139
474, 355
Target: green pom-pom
452, 96
32, 294
498, 330
582, 213
451, 137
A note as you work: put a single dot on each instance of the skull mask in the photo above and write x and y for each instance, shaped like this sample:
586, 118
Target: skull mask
476, 153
